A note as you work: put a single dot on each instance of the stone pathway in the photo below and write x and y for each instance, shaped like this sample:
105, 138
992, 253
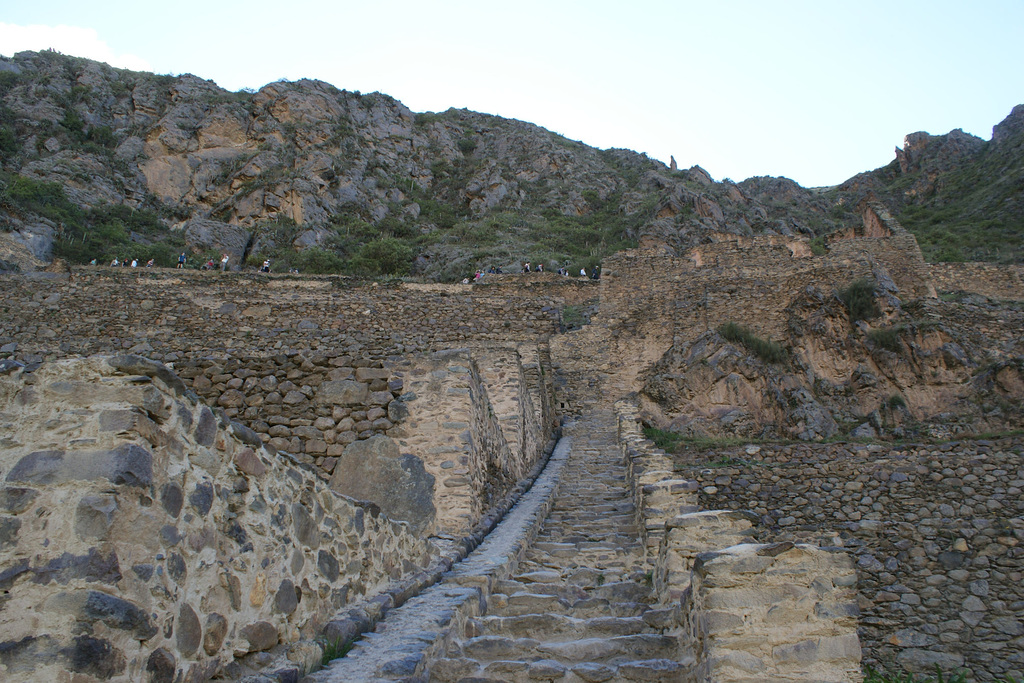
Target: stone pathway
578, 607
402, 645
559, 591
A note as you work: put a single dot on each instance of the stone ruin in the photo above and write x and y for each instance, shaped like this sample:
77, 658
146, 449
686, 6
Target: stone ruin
206, 475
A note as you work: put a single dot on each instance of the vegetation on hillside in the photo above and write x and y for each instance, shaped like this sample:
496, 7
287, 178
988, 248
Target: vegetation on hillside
437, 195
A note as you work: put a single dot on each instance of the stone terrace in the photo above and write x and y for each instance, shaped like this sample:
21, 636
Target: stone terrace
936, 532
473, 378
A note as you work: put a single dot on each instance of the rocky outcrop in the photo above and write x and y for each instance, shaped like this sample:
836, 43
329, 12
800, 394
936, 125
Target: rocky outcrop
1011, 128
303, 156
799, 362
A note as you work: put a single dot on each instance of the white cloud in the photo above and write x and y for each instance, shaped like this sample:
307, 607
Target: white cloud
69, 40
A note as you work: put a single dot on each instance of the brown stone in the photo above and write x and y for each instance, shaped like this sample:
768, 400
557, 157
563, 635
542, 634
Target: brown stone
213, 637
249, 463
261, 635
188, 630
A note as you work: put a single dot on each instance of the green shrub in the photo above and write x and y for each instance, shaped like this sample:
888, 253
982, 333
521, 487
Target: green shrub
387, 256
74, 124
102, 136
426, 118
317, 261
818, 247
765, 349
573, 318
896, 402
887, 337
467, 145
8, 142
859, 298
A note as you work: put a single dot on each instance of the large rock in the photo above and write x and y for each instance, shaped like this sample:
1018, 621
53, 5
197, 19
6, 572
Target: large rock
343, 392
202, 234
375, 470
127, 464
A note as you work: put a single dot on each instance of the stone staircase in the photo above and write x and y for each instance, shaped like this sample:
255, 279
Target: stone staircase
579, 606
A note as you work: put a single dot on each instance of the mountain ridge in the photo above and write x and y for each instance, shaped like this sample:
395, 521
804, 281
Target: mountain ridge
101, 163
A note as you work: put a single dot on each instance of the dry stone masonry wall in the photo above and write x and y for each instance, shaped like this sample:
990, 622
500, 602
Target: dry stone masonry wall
936, 533
751, 611
747, 280
314, 366
150, 539
987, 279
475, 431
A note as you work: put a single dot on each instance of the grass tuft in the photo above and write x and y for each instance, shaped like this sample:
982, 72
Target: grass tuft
335, 649
859, 298
887, 337
765, 349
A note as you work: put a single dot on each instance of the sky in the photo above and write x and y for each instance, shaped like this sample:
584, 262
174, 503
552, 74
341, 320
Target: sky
814, 91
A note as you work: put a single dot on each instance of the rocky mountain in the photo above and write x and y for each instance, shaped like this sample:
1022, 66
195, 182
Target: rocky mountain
99, 162
961, 196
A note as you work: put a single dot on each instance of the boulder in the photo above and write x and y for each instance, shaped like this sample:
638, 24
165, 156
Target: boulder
203, 234
344, 392
397, 482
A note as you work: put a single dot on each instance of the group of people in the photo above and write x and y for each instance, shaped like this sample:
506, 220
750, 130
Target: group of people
125, 263
182, 260
562, 271
539, 268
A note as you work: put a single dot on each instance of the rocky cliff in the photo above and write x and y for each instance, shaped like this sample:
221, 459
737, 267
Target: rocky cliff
102, 163
960, 195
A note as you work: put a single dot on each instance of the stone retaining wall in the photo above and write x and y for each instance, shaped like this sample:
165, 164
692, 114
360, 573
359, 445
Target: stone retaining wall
751, 612
471, 420
773, 613
998, 281
142, 537
936, 532
315, 365
172, 315
746, 280
898, 253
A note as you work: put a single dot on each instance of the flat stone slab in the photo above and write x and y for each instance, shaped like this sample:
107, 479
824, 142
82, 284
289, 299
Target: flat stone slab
540, 577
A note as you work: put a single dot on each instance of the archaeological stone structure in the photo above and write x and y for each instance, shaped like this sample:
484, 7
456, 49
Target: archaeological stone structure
216, 476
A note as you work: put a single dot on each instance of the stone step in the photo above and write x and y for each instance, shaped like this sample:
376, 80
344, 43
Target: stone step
528, 603
551, 627
609, 519
461, 670
567, 591
611, 650
577, 609
622, 591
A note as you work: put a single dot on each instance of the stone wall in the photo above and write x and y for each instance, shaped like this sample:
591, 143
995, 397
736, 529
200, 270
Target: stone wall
750, 280
144, 537
311, 405
998, 281
773, 613
472, 422
936, 532
750, 612
316, 365
899, 254
171, 315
